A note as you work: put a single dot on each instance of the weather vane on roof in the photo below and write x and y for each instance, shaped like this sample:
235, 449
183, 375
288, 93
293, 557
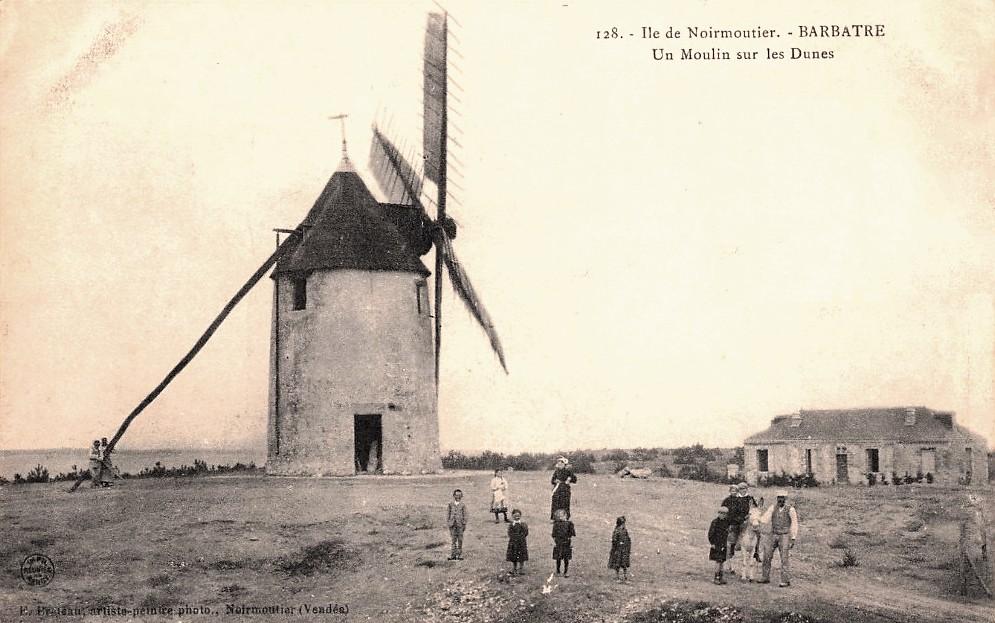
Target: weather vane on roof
341, 119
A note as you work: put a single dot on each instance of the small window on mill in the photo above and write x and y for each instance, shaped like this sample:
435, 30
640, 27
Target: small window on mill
300, 292
421, 295
910, 416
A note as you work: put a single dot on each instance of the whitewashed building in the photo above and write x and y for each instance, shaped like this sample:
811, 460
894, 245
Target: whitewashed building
844, 446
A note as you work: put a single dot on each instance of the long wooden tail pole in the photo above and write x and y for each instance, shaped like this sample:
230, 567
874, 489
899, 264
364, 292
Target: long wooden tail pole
253, 280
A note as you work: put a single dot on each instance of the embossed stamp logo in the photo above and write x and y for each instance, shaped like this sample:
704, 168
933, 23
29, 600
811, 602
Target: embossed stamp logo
37, 570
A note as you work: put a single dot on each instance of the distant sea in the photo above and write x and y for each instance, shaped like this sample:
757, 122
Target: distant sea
62, 459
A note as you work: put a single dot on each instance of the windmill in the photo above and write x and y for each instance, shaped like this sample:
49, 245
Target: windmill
401, 183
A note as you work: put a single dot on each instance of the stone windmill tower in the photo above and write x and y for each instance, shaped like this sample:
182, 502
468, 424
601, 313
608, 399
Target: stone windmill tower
355, 360
352, 385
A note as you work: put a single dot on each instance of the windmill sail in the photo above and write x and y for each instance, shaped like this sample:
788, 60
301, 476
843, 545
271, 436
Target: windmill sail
434, 97
461, 283
396, 177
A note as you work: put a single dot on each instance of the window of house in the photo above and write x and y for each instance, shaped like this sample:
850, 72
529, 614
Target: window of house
872, 460
808, 461
421, 295
300, 292
795, 421
762, 461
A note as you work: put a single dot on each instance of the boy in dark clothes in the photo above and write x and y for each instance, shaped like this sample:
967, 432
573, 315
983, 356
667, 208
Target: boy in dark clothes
518, 547
563, 530
717, 532
732, 503
618, 558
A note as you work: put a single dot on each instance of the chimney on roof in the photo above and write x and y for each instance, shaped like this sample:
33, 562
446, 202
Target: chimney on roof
946, 418
910, 416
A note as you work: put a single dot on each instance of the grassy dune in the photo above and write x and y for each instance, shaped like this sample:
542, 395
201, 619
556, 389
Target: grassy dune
379, 546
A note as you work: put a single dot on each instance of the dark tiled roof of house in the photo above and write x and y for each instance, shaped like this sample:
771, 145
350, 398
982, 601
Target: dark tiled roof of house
851, 425
348, 229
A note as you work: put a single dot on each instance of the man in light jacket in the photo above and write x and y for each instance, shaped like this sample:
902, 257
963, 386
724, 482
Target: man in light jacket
781, 521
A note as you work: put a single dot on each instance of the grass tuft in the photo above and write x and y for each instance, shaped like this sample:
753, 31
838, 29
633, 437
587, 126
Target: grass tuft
326, 556
849, 559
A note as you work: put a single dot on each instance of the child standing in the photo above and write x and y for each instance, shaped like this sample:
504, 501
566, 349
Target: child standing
563, 531
717, 533
618, 559
518, 547
456, 521
499, 496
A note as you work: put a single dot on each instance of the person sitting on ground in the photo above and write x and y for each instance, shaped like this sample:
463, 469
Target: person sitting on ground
717, 534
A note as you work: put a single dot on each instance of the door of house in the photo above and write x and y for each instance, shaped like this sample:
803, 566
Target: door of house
929, 461
842, 474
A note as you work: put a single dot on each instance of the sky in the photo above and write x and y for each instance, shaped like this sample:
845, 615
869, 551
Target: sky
672, 251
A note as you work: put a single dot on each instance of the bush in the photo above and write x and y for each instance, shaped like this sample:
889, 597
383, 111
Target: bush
617, 455
582, 462
872, 479
664, 472
38, 474
698, 471
797, 481
692, 454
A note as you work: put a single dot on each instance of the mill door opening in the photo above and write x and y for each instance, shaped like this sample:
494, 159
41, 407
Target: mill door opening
368, 443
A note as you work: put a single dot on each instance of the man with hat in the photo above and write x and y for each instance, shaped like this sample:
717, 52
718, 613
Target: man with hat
783, 521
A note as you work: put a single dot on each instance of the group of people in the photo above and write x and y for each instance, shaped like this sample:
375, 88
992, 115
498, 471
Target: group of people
743, 525
101, 469
563, 530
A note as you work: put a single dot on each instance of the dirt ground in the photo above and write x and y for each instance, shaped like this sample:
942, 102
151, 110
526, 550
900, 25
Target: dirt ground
243, 547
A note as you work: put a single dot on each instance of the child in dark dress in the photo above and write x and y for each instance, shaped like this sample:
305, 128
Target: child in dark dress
717, 533
563, 531
618, 559
518, 547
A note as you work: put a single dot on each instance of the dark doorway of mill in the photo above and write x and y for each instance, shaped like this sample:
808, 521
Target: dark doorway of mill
368, 437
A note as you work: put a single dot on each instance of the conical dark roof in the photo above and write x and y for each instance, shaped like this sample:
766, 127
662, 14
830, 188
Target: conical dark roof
345, 230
